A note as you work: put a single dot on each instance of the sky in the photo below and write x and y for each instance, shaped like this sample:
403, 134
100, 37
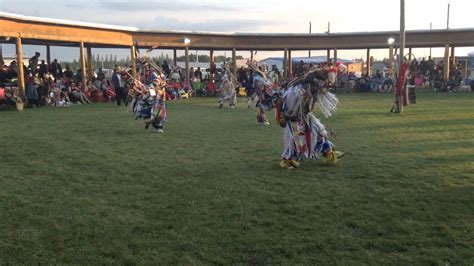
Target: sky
270, 16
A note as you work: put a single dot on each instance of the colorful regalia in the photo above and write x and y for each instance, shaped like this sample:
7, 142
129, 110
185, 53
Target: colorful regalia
149, 101
227, 86
264, 96
304, 136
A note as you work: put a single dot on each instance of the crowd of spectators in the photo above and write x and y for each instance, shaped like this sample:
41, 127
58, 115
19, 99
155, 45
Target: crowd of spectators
52, 85
423, 73
56, 85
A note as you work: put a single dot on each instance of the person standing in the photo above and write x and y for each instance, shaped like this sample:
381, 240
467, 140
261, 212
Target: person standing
166, 68
68, 73
118, 86
198, 73
56, 69
43, 69
33, 63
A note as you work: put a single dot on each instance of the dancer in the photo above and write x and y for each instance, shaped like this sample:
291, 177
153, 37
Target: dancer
148, 101
264, 96
227, 86
304, 135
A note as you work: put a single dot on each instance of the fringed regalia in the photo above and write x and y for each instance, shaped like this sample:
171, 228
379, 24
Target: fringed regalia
148, 101
227, 86
264, 97
304, 136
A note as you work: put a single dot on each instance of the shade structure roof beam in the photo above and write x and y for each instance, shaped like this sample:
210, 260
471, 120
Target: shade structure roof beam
66, 33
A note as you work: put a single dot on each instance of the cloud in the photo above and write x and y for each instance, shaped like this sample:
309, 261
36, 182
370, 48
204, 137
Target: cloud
219, 25
164, 6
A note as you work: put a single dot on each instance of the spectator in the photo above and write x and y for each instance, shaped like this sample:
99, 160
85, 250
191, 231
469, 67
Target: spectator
101, 75
166, 68
32, 90
213, 69
33, 63
68, 73
118, 86
78, 76
55, 69
198, 73
78, 93
191, 74
43, 69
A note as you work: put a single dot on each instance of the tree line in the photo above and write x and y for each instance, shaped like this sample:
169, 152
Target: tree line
110, 61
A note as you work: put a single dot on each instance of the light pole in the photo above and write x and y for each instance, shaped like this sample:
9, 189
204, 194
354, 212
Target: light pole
186, 43
402, 32
447, 22
431, 27
390, 41
309, 51
398, 92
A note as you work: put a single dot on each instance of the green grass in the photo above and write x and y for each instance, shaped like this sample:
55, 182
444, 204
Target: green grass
88, 185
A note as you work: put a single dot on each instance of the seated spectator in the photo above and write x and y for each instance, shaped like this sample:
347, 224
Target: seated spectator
109, 91
63, 100
94, 92
387, 85
175, 76
101, 75
79, 94
211, 87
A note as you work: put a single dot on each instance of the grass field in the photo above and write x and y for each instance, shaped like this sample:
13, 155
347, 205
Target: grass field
88, 185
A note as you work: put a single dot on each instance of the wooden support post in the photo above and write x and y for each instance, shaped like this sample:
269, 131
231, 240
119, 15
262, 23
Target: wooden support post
21, 73
334, 64
211, 57
453, 58
83, 65
369, 67
285, 63
251, 56
175, 58
409, 54
290, 65
465, 69
446, 63
211, 63
186, 65
133, 59
391, 60
90, 68
328, 55
234, 63
48, 55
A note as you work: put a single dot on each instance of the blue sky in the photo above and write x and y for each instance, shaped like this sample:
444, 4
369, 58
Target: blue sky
251, 16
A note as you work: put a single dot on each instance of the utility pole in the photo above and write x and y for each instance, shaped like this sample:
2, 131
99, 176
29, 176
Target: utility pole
402, 31
398, 94
447, 22
431, 27
309, 51
329, 27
